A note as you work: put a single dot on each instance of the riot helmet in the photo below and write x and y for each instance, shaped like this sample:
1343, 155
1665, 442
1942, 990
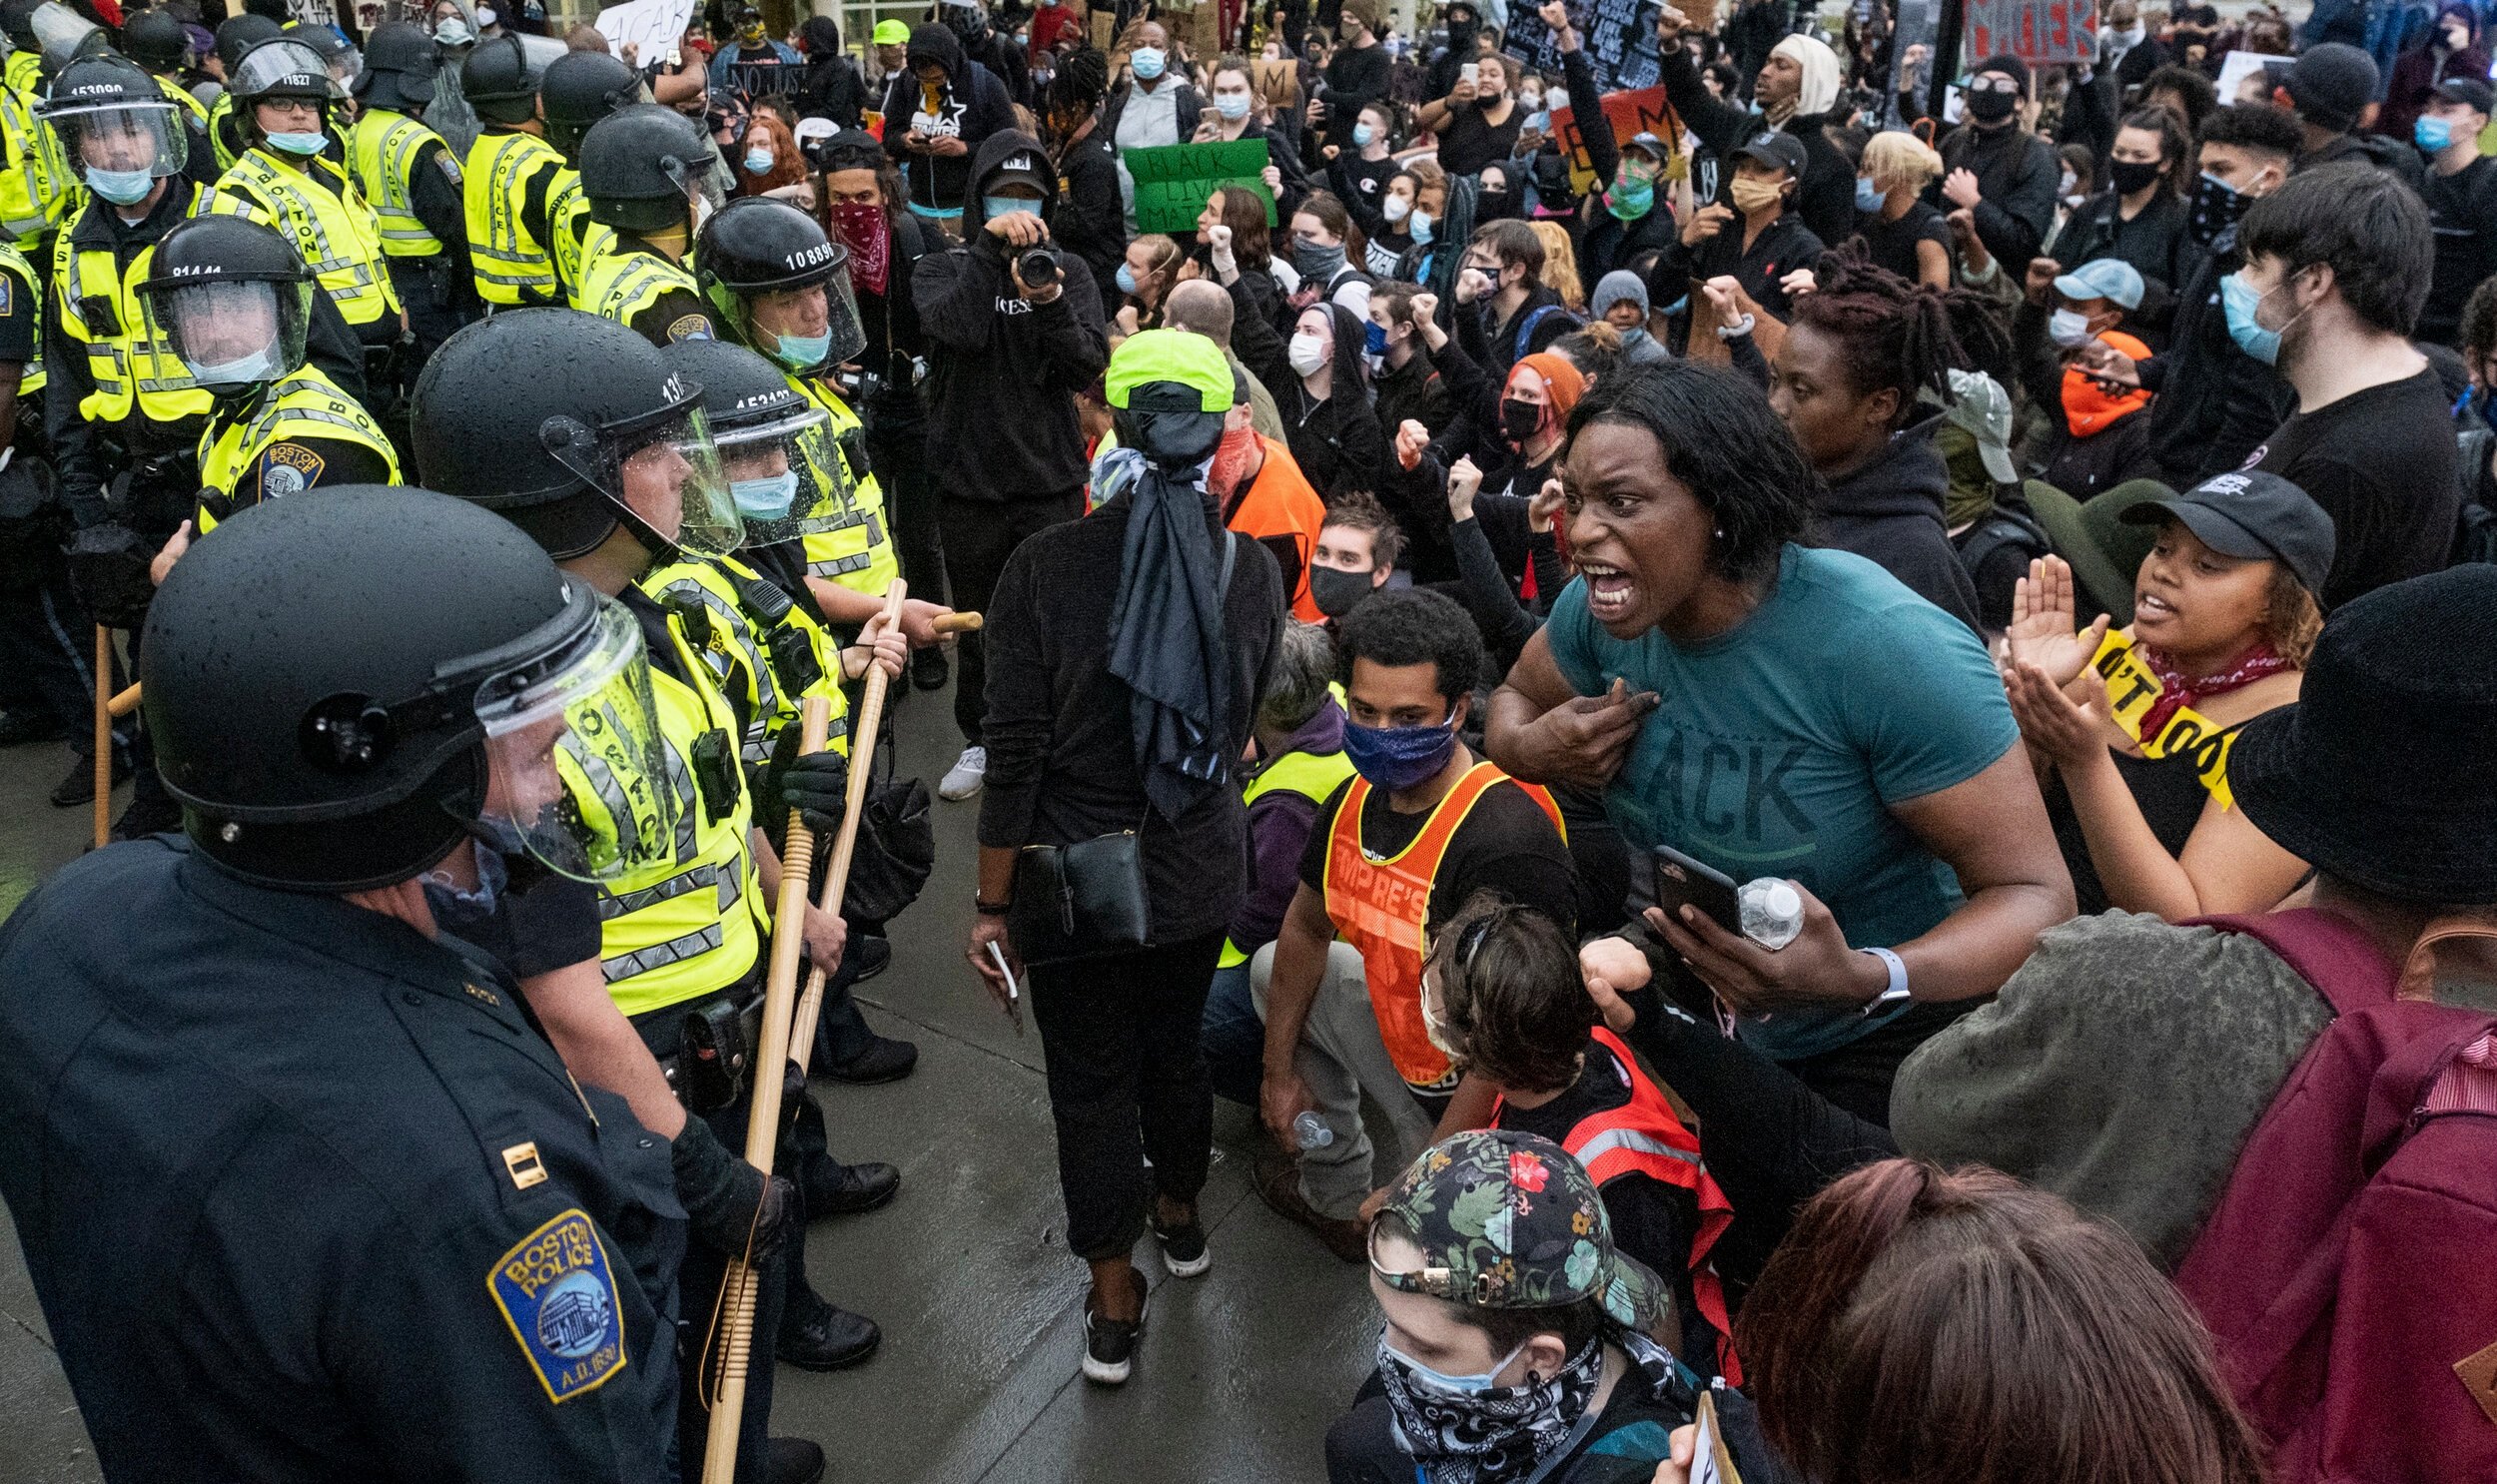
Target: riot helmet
346, 687
642, 168
765, 431
570, 424
64, 36
500, 75
776, 276
233, 299
579, 89
17, 18
239, 34
156, 41
400, 64
344, 59
117, 127
281, 70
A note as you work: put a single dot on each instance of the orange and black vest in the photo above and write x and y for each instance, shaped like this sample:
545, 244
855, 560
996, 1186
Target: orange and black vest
1644, 1137
1281, 510
1382, 907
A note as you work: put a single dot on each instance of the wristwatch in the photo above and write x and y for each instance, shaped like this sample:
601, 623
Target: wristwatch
990, 908
1895, 993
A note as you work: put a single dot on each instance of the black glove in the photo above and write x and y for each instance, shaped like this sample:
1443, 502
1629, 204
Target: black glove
817, 785
108, 570
733, 1209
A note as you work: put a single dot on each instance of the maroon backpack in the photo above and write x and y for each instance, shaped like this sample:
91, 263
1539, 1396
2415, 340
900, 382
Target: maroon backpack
2349, 1271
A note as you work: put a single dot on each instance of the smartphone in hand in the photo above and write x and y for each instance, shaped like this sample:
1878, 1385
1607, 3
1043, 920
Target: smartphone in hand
1682, 880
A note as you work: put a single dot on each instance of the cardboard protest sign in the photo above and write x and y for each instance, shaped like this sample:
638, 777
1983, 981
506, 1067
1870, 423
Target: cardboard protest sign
1631, 113
653, 28
2037, 32
2238, 69
1620, 38
1174, 180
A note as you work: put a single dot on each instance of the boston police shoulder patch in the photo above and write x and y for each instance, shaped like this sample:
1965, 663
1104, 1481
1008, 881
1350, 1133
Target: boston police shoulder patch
558, 1295
288, 469
689, 327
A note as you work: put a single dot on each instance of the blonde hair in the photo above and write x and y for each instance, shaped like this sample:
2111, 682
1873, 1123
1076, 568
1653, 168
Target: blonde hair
1561, 265
2294, 620
1895, 157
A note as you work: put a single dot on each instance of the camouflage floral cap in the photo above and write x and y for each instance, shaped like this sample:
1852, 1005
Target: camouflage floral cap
1508, 1220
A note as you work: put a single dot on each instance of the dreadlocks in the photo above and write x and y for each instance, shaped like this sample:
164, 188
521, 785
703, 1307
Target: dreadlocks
1893, 334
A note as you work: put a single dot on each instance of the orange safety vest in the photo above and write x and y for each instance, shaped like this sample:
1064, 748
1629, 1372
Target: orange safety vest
1643, 1137
1382, 907
1280, 502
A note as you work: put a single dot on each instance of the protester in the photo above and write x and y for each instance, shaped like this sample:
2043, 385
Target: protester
1327, 421
830, 87
1477, 120
1158, 106
1354, 77
2138, 220
1142, 280
2095, 435
1509, 311
1206, 308
1560, 260
948, 108
2332, 88
2461, 195
1797, 89
1408, 384
1322, 241
768, 164
1755, 241
1358, 550
1902, 233
2004, 175
1092, 219
2449, 51
1263, 495
1132, 648
1621, 301
1238, 112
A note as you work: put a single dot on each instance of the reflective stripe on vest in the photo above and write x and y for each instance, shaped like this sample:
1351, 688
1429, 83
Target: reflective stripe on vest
1311, 775
37, 185
306, 405
619, 286
578, 241
129, 363
663, 938
511, 266
1645, 1137
220, 122
844, 535
381, 153
331, 224
741, 654
1382, 907
30, 294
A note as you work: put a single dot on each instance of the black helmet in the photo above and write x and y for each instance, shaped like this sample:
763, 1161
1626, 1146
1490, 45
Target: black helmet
282, 67
641, 166
541, 414
17, 17
762, 427
400, 64
499, 76
156, 41
346, 685
757, 244
967, 19
239, 34
579, 89
234, 300
345, 61
111, 115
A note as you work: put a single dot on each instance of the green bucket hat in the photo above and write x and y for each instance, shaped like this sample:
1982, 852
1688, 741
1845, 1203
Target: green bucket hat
1508, 1220
2106, 551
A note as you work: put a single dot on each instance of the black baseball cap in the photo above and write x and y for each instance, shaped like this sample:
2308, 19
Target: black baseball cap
1770, 147
2471, 92
2253, 516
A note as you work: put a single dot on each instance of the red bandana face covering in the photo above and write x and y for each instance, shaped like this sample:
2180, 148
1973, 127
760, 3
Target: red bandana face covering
1232, 458
863, 229
2176, 691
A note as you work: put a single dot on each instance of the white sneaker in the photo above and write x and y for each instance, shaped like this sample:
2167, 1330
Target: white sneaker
963, 779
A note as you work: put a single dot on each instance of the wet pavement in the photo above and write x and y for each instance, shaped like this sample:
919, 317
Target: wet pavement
1240, 1372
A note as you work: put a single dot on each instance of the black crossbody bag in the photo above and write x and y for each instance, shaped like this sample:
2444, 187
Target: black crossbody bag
1086, 900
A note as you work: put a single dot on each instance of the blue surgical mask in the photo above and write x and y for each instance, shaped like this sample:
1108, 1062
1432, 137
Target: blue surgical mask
1417, 226
1397, 758
995, 207
766, 498
300, 143
1146, 62
758, 162
1677, 306
248, 370
2432, 135
1374, 338
1868, 197
2238, 299
1233, 106
1415, 1372
1127, 279
120, 187
1363, 135
799, 351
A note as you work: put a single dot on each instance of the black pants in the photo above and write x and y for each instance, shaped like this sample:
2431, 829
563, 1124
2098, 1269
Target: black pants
1127, 1082
979, 536
899, 456
698, 1300
47, 654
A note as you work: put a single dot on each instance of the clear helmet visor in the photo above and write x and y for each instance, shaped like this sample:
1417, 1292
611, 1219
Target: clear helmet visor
234, 334
287, 67
809, 328
578, 770
769, 474
121, 139
665, 470
62, 34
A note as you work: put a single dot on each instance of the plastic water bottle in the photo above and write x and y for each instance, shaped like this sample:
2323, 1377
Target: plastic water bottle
1773, 911
1312, 1132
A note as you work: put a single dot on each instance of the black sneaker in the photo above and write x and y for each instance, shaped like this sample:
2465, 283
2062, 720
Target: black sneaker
1183, 1247
927, 668
1110, 1344
867, 956
793, 1461
79, 786
146, 817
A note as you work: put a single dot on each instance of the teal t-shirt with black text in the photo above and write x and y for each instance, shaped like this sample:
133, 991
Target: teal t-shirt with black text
1781, 744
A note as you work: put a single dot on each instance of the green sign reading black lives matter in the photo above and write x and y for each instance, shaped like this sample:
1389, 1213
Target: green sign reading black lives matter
1174, 180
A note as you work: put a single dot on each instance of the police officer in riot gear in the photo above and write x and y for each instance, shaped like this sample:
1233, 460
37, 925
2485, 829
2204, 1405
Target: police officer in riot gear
303, 1193
640, 173
235, 302
579, 89
234, 36
36, 190
413, 181
576, 431
158, 42
512, 182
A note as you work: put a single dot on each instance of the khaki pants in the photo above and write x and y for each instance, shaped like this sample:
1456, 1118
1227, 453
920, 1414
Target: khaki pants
1340, 1057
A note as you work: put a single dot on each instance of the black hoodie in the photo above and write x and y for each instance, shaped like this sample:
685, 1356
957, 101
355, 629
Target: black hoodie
1003, 371
1890, 511
971, 106
1336, 442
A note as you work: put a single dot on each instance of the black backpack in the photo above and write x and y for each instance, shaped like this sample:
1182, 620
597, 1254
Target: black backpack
1995, 550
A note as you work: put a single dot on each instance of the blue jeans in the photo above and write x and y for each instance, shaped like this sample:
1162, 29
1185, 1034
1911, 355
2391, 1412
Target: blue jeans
1234, 1037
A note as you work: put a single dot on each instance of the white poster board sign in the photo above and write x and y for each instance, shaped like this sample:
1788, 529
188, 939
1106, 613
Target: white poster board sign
2236, 67
653, 28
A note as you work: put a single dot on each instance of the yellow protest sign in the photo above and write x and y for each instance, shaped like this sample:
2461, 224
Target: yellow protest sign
2132, 691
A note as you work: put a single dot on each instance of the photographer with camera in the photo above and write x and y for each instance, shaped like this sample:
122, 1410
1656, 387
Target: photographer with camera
1014, 328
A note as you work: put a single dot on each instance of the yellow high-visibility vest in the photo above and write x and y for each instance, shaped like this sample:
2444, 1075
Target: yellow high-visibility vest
379, 154
320, 211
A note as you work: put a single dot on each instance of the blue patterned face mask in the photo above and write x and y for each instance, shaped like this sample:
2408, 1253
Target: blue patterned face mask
1398, 758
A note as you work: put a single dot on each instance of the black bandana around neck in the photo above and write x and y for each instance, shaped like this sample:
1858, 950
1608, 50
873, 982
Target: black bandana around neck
1495, 1436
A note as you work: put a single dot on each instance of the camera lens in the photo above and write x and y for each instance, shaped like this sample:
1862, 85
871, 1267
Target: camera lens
1038, 267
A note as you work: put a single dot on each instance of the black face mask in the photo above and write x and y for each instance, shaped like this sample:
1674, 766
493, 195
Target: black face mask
1988, 107
1519, 420
2216, 210
2128, 176
1336, 590
1491, 205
